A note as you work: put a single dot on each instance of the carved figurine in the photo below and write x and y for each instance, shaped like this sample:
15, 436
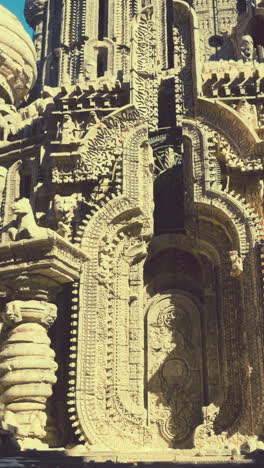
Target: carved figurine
61, 214
66, 130
4, 128
93, 118
64, 209
237, 264
26, 226
246, 48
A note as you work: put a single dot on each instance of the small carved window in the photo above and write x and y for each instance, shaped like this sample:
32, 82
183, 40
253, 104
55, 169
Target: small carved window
169, 202
102, 59
216, 41
52, 70
25, 173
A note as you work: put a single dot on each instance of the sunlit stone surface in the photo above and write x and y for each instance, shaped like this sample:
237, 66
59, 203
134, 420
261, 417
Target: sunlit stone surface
17, 58
131, 254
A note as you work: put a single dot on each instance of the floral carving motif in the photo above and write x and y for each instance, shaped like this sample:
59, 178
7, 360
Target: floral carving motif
99, 152
145, 76
170, 362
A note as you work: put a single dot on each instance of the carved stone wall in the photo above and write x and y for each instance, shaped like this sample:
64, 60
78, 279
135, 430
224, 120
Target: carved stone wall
131, 187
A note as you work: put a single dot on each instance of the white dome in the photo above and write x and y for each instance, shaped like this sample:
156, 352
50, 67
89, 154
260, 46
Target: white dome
18, 71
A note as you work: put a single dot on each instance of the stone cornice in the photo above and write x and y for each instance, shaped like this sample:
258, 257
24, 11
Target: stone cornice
14, 150
50, 257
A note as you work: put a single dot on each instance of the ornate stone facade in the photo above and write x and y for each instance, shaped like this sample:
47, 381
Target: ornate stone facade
131, 254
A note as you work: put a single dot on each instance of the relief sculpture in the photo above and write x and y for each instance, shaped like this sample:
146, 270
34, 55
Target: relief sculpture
132, 231
172, 403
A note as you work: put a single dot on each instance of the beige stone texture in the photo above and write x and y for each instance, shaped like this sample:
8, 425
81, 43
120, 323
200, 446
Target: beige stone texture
131, 217
18, 59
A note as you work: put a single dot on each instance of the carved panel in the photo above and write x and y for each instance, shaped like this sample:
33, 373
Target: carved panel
183, 66
144, 76
245, 232
174, 367
99, 153
111, 412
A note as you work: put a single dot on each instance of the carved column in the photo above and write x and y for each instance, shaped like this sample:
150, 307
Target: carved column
27, 361
27, 365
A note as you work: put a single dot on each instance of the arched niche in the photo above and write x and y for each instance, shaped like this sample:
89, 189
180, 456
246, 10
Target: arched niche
183, 276
180, 86
198, 266
224, 220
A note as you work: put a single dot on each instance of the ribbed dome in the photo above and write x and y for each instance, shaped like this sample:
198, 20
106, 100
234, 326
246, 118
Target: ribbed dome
34, 8
18, 70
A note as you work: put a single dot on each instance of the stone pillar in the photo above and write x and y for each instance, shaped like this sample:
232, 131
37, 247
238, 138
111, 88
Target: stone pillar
27, 366
27, 362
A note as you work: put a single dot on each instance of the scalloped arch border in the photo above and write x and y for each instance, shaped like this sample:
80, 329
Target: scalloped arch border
243, 218
228, 121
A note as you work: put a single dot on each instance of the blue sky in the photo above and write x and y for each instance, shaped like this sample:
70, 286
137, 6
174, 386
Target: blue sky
17, 7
